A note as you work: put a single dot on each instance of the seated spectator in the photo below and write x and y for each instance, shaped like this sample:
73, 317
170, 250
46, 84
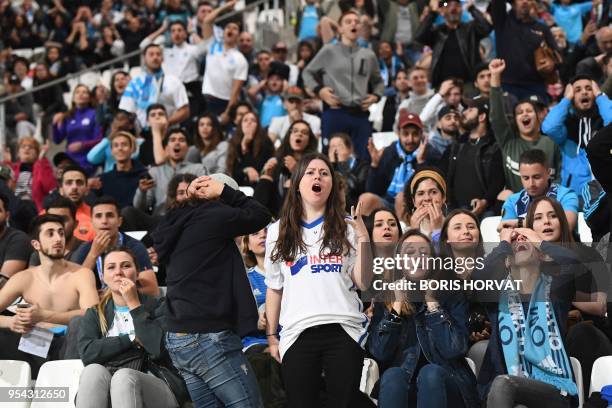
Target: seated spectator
48, 101
18, 111
124, 322
482, 81
260, 69
122, 181
209, 148
572, 123
403, 329
473, 164
106, 220
513, 144
293, 101
254, 251
392, 167
248, 151
155, 86
449, 94
73, 185
420, 92
455, 44
246, 46
157, 122
267, 96
536, 180
290, 72
152, 190
424, 203
306, 52
445, 133
593, 66
62, 207
240, 109
274, 183
21, 68
118, 84
79, 127
101, 153
54, 292
510, 374
353, 170
33, 172
15, 248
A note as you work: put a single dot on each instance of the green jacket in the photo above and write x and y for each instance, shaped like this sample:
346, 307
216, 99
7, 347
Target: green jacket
148, 322
512, 145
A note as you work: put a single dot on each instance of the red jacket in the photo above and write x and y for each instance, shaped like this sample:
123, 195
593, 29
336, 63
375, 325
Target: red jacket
43, 180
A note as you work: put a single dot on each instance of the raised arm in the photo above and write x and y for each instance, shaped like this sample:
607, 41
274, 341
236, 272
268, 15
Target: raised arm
209, 21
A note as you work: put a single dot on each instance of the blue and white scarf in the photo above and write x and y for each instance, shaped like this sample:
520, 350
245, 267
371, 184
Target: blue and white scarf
151, 89
403, 172
524, 199
532, 344
389, 75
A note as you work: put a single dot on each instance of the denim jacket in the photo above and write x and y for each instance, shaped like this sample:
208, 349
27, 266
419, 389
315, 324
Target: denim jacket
442, 337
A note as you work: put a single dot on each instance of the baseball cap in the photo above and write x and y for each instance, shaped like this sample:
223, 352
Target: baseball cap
446, 110
294, 92
482, 104
537, 99
408, 118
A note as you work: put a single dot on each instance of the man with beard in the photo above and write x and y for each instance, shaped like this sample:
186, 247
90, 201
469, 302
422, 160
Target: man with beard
74, 187
572, 123
392, 167
64, 208
474, 169
54, 292
445, 134
454, 44
14, 246
513, 144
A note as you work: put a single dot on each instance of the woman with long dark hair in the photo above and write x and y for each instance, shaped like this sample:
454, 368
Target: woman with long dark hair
79, 128
248, 151
276, 178
209, 148
420, 339
125, 323
313, 273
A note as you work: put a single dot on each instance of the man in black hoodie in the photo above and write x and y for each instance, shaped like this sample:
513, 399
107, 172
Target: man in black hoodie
210, 303
475, 156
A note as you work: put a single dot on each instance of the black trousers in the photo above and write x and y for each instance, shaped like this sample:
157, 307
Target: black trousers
322, 350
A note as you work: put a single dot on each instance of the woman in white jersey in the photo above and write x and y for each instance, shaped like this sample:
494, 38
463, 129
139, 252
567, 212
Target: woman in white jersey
312, 278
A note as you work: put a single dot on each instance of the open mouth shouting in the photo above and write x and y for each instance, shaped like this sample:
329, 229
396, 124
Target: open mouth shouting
521, 247
316, 187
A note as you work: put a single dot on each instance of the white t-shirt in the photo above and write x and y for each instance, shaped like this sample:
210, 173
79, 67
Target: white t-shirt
122, 323
316, 290
222, 68
281, 124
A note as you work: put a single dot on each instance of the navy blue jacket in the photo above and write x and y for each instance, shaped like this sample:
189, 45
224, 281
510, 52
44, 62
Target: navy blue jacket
442, 337
122, 185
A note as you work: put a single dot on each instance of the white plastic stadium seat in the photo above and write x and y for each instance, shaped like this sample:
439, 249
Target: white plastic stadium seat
60, 373
577, 369
488, 229
601, 375
14, 373
583, 229
383, 139
472, 364
247, 191
137, 235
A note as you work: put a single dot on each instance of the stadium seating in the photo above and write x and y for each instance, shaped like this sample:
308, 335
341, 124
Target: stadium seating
15, 373
60, 373
601, 375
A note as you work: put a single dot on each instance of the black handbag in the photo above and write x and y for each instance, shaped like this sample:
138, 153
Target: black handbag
170, 375
134, 358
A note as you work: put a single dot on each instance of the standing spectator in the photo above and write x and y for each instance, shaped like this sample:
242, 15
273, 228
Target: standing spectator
517, 35
513, 144
110, 45
313, 236
18, 111
308, 17
445, 133
572, 123
450, 93
473, 164
306, 52
594, 66
155, 85
118, 84
133, 30
455, 44
226, 67
80, 42
346, 97
420, 92
79, 128
209, 147
569, 16
248, 151
33, 172
400, 23
246, 46
182, 60
389, 64
49, 101
279, 55
271, 102
294, 105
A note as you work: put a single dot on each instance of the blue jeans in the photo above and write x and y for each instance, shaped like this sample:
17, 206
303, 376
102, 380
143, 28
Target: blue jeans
435, 388
214, 368
352, 122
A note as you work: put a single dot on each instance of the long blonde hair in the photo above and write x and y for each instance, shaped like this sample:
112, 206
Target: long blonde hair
108, 293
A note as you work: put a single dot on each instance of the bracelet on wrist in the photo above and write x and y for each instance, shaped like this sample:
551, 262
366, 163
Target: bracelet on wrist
271, 335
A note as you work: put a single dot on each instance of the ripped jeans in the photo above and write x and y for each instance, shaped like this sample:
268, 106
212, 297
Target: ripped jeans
214, 368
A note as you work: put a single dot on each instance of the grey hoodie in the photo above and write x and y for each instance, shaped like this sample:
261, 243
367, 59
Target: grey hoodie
349, 71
